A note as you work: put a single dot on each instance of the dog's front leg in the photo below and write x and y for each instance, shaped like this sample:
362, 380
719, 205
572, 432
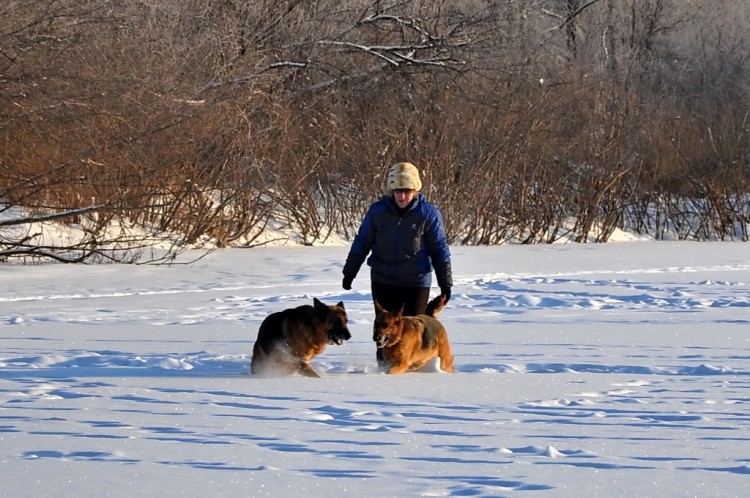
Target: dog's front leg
398, 369
307, 370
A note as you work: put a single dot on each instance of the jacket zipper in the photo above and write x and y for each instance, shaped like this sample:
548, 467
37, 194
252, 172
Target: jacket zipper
394, 271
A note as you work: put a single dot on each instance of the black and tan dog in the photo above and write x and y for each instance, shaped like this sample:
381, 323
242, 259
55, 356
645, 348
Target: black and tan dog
288, 340
409, 342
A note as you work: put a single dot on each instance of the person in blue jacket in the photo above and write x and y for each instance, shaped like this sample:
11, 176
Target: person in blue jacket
404, 235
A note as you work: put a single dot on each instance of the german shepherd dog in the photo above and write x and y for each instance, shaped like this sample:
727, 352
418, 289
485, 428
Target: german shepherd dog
289, 339
409, 342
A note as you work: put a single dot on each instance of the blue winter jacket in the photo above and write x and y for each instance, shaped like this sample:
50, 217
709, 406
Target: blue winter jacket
405, 247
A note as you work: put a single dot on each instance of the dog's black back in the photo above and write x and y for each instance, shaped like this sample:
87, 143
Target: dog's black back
271, 330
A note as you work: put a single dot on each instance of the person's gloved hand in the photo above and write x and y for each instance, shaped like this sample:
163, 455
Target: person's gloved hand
347, 283
446, 291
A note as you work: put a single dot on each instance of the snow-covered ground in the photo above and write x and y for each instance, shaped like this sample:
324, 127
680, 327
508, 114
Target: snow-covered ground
582, 370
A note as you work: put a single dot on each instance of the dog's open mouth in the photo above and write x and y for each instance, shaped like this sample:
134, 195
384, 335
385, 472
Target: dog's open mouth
385, 341
338, 338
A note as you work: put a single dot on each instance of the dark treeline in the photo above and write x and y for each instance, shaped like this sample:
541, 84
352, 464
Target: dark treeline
531, 120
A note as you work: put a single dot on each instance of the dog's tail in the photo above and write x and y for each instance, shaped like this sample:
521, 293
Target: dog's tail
434, 306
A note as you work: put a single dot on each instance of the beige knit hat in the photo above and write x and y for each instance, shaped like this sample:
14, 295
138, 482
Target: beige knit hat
404, 175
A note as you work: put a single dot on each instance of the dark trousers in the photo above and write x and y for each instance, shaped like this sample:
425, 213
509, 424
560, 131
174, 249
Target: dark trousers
414, 300
391, 298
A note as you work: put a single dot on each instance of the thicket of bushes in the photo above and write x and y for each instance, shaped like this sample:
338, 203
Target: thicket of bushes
531, 121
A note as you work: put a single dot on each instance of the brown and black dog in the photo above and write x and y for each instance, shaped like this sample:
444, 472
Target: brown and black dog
409, 342
289, 339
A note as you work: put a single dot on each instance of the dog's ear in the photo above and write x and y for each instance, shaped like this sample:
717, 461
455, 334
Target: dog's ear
341, 305
378, 308
400, 310
320, 308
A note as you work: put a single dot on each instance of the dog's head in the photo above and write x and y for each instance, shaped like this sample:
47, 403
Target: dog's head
335, 321
386, 330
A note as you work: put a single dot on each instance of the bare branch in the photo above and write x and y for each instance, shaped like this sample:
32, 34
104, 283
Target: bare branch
570, 16
52, 216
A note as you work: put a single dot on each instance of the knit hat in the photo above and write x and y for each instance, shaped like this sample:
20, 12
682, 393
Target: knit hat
404, 175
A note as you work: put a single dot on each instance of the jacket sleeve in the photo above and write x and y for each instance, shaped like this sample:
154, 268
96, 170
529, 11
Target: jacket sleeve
444, 274
439, 250
361, 245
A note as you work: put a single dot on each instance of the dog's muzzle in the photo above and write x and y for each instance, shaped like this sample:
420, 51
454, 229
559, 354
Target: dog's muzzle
382, 340
338, 336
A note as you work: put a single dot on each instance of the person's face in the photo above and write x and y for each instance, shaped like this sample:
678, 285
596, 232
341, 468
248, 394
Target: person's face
403, 196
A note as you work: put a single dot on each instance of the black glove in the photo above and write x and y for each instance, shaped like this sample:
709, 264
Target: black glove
347, 283
446, 291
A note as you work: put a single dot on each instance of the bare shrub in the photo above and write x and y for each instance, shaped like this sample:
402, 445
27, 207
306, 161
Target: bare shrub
212, 121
